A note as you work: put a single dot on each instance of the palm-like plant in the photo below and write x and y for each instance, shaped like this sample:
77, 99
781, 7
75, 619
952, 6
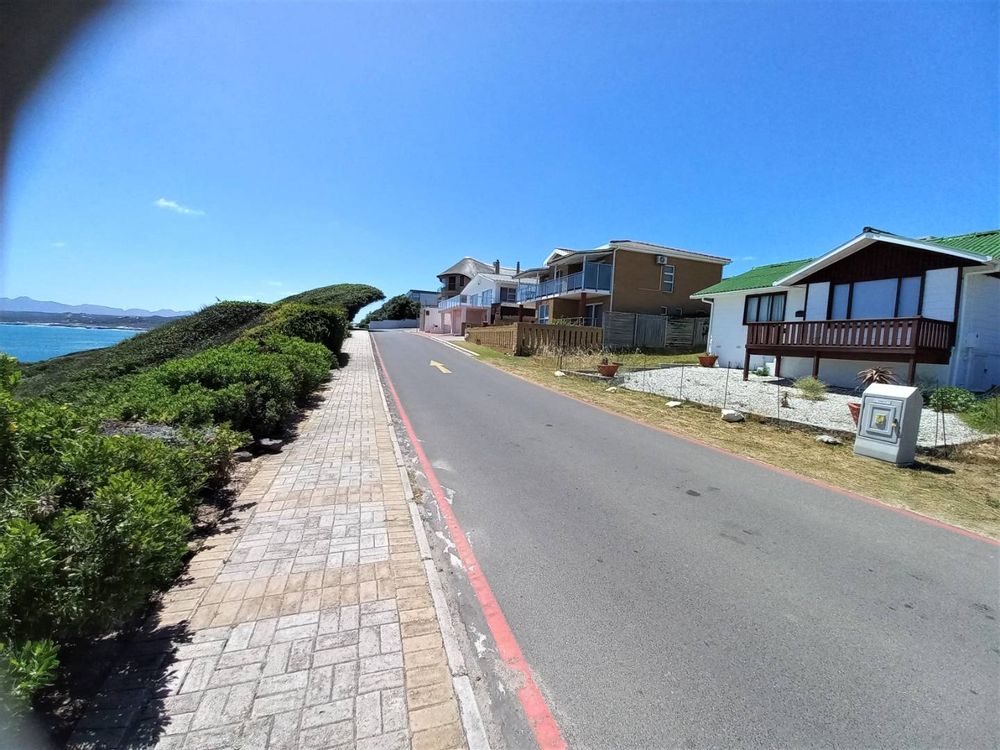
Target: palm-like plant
871, 375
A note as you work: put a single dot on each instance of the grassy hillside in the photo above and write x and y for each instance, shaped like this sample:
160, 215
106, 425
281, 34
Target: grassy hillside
68, 376
352, 297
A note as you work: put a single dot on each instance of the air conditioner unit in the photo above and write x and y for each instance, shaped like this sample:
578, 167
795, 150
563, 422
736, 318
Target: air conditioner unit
661, 260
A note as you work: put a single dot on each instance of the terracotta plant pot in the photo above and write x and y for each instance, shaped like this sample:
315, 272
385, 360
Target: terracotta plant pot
707, 360
609, 371
855, 408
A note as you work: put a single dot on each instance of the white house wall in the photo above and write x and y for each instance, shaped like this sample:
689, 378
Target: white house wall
727, 335
977, 353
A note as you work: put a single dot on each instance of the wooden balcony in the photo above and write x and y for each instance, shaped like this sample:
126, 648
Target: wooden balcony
910, 340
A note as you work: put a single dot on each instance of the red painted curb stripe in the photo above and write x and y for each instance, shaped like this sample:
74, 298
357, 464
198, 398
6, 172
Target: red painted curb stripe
543, 724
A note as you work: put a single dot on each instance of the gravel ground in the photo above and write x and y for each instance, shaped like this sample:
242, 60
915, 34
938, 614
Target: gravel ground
761, 395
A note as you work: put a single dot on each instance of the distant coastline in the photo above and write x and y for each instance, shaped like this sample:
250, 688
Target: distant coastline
82, 320
94, 326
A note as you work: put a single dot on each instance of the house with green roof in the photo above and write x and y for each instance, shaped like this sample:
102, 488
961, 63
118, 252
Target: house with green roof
927, 307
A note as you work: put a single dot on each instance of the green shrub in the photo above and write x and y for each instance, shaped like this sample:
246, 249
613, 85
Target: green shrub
25, 668
399, 307
951, 398
350, 297
319, 324
812, 389
984, 415
252, 385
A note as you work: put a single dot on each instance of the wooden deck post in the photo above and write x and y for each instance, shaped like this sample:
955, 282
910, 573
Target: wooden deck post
746, 366
777, 365
520, 313
911, 371
815, 366
583, 305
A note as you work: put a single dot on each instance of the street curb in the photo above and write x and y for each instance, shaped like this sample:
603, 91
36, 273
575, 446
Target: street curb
472, 719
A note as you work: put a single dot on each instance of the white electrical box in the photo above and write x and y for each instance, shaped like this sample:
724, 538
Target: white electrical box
889, 423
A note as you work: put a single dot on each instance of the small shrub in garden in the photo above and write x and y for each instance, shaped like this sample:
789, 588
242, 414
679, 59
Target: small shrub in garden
25, 668
951, 398
984, 415
812, 389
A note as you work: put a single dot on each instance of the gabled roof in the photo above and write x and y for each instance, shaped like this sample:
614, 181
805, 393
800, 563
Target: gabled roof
868, 237
982, 243
468, 267
760, 277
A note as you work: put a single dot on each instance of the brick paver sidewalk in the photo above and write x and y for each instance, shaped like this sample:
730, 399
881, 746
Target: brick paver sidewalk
310, 624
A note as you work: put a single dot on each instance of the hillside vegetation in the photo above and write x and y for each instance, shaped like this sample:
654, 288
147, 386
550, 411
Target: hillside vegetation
92, 521
351, 297
68, 376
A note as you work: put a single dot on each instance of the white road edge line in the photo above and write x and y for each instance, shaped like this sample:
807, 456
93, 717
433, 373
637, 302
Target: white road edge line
472, 719
466, 352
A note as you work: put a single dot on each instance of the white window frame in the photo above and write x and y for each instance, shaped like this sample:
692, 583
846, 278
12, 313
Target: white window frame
667, 284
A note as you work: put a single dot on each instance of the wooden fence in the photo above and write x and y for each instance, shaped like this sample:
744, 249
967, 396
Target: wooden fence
626, 331
528, 338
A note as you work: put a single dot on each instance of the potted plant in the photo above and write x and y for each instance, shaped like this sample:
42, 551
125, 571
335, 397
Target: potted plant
608, 369
870, 376
707, 359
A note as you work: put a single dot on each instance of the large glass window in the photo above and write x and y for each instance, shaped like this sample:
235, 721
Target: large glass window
874, 299
508, 294
763, 308
909, 297
840, 295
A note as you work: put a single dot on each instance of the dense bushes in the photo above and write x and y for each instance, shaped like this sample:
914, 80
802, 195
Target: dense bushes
399, 307
350, 297
320, 324
252, 385
89, 525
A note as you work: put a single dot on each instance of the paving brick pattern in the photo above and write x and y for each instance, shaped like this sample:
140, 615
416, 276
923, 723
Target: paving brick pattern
308, 623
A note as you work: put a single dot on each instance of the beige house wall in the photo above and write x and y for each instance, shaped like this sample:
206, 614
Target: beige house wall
637, 283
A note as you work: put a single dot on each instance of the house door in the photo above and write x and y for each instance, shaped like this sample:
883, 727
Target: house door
595, 315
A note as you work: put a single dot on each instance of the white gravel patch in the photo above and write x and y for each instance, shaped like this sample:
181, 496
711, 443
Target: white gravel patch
762, 395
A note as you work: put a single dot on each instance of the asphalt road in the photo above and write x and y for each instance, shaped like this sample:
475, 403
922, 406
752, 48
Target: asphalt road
668, 595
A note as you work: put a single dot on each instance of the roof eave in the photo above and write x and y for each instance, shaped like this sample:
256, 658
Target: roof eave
865, 239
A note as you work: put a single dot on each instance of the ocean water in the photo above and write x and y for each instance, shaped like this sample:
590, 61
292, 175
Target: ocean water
33, 343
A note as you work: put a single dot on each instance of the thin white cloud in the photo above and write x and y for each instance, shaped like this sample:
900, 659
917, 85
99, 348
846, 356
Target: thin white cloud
274, 283
58, 244
177, 207
749, 257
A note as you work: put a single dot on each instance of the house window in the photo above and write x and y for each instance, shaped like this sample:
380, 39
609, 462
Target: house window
543, 313
508, 294
908, 301
763, 308
451, 283
879, 298
667, 279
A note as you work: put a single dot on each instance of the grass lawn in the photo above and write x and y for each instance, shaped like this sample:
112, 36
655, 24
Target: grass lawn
984, 416
963, 489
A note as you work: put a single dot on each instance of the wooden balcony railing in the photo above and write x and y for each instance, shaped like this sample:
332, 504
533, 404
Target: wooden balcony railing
905, 336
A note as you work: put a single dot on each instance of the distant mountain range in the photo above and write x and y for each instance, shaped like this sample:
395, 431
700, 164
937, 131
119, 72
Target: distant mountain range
26, 304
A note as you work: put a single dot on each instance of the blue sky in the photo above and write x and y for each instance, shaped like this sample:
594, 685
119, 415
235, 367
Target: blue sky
187, 151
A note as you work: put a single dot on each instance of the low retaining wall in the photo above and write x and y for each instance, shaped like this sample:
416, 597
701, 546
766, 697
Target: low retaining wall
528, 338
388, 325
